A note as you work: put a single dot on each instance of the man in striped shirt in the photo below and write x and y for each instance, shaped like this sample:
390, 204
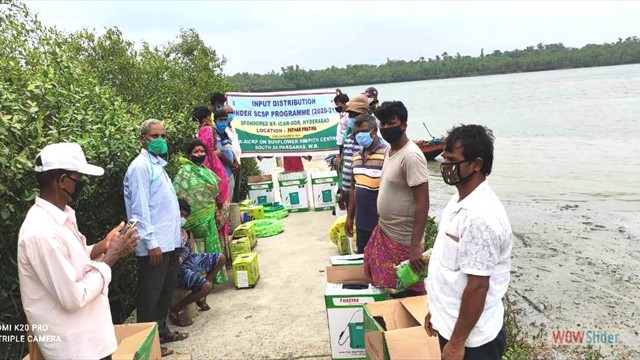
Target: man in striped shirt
356, 106
367, 166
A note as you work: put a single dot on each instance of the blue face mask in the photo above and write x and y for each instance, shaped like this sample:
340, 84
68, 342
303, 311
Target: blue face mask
222, 126
230, 117
364, 139
351, 122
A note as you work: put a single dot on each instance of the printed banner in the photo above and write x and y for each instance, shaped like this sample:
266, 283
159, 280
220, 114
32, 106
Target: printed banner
285, 124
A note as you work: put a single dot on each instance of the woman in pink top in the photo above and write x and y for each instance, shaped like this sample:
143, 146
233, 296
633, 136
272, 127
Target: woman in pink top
205, 134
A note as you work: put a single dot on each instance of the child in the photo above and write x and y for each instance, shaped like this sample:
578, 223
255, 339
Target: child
189, 277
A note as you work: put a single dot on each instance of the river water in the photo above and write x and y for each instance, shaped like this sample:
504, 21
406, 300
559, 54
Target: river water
565, 136
569, 136
567, 170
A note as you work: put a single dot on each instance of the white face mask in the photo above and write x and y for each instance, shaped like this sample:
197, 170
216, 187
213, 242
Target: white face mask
182, 221
370, 100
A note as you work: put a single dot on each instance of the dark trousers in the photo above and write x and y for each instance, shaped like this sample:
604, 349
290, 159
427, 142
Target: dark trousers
492, 350
362, 238
236, 187
155, 287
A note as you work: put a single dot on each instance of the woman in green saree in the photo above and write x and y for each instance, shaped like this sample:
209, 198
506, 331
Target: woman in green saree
198, 185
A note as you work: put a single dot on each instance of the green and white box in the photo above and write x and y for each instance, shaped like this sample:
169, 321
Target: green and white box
322, 184
347, 260
346, 293
261, 189
293, 191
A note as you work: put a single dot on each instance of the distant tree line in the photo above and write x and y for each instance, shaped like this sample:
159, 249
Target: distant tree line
533, 58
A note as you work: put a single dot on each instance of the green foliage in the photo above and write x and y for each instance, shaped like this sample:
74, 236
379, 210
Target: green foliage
538, 58
517, 347
94, 90
430, 233
249, 168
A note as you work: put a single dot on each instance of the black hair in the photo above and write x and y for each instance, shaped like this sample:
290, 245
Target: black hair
192, 145
47, 178
220, 114
341, 98
200, 113
390, 109
218, 97
184, 206
476, 142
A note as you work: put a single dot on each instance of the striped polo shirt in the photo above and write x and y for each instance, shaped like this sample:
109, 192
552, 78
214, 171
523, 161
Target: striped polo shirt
351, 148
367, 167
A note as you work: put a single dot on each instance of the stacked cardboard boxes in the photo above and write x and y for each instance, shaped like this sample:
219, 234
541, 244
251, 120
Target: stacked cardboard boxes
246, 270
322, 184
261, 189
293, 191
346, 293
394, 330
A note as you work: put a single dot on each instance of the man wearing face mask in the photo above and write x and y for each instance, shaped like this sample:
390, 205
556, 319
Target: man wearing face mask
469, 269
224, 143
217, 101
341, 100
356, 106
367, 166
403, 204
64, 283
149, 196
372, 99
237, 151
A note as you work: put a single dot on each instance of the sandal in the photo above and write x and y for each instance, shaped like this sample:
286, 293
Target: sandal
165, 351
174, 336
202, 304
180, 318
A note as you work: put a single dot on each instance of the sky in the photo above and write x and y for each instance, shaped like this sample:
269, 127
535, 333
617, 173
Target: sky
260, 36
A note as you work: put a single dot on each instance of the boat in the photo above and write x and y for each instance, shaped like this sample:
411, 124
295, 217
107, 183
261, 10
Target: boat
430, 148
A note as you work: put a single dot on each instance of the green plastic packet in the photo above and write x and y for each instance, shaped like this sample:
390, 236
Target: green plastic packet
407, 276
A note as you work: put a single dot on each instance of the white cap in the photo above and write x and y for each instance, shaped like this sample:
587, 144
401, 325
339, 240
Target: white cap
66, 156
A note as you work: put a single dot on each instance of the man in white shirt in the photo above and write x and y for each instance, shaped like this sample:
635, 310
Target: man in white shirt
471, 260
237, 151
64, 283
341, 100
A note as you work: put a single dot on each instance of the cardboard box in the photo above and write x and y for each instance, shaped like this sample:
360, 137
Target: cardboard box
246, 271
346, 293
394, 330
246, 230
322, 188
293, 191
254, 212
347, 260
261, 189
135, 342
239, 246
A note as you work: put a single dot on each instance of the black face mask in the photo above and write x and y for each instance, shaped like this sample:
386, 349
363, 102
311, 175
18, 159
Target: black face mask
338, 109
392, 134
75, 195
198, 160
451, 173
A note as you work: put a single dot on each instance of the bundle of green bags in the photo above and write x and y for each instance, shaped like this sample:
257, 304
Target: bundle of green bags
275, 211
267, 227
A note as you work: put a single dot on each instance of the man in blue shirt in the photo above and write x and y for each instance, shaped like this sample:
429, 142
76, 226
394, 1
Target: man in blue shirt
150, 198
224, 143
